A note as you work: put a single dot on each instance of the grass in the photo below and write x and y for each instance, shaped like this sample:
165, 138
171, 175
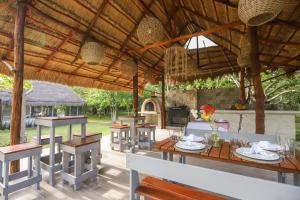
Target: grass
95, 124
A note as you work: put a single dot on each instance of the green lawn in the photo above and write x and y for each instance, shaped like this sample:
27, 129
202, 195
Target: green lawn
95, 124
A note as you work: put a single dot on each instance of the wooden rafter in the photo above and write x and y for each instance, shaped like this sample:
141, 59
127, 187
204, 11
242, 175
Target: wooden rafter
185, 37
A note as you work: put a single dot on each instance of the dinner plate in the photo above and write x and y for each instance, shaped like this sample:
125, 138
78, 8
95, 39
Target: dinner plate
193, 146
192, 138
265, 155
220, 120
269, 147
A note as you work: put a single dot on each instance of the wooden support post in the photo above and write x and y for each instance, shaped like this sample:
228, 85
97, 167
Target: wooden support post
135, 95
1, 111
163, 103
17, 94
242, 86
255, 71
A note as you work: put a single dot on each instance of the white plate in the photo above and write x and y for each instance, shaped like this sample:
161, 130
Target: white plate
270, 147
220, 120
266, 155
190, 145
192, 138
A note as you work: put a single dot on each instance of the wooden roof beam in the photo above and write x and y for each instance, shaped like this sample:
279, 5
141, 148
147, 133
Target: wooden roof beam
185, 37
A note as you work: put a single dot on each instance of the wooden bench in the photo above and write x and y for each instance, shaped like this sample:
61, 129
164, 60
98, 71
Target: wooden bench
96, 136
157, 189
188, 178
17, 152
79, 148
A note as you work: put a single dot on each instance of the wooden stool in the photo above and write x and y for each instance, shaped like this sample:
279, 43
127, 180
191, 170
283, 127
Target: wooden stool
144, 137
78, 147
119, 141
45, 140
17, 152
96, 136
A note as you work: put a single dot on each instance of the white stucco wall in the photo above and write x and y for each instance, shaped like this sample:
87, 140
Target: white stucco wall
276, 122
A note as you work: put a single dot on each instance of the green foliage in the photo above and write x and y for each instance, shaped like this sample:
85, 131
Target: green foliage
61, 109
7, 83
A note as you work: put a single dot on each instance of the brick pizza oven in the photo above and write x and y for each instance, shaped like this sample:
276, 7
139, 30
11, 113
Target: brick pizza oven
151, 109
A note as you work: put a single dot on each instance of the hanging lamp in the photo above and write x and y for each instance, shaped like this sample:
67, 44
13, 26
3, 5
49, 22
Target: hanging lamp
150, 30
258, 12
129, 68
92, 52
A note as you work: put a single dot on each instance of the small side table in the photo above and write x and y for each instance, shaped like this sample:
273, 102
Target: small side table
17, 152
79, 148
119, 141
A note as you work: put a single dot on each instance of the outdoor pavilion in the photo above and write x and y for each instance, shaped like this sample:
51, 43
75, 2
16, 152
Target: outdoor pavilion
42, 40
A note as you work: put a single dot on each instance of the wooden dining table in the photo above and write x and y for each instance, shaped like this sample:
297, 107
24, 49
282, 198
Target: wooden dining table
224, 154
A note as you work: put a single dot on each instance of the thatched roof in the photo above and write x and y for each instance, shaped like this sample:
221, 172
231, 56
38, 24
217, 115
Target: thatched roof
55, 31
47, 94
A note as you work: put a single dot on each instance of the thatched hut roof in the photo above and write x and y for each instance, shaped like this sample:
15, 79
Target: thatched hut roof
47, 94
55, 31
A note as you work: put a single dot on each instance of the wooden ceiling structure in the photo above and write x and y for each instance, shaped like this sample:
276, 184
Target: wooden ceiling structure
55, 31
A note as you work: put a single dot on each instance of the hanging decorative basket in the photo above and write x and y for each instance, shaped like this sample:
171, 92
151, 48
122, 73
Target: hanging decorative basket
149, 78
128, 68
242, 60
92, 53
150, 30
258, 12
245, 46
176, 63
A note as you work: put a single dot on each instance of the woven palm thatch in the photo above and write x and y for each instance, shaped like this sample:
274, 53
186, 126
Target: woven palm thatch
56, 30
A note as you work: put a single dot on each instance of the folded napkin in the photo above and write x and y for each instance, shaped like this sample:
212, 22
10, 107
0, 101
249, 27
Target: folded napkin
265, 144
255, 149
191, 137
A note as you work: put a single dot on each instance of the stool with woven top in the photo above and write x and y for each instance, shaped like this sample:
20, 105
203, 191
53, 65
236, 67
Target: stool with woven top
78, 173
145, 135
96, 136
119, 136
17, 152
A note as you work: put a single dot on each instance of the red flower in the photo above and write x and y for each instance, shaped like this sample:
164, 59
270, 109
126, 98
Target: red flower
208, 109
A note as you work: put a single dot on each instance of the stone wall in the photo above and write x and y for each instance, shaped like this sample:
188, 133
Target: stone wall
182, 98
221, 98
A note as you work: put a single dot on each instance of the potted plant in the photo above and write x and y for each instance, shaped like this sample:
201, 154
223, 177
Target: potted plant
61, 110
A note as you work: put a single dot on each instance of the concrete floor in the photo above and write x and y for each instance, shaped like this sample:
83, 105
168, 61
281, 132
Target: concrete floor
113, 180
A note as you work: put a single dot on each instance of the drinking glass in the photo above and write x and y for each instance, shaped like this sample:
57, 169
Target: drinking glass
244, 142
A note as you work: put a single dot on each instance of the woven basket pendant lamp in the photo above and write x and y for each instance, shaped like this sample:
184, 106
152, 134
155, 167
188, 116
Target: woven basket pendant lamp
129, 68
258, 12
150, 30
175, 62
92, 53
149, 77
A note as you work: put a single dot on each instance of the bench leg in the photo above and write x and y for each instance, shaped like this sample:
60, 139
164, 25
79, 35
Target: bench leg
66, 162
170, 157
37, 171
134, 183
5, 178
77, 170
164, 155
29, 166
297, 179
182, 159
281, 177
149, 140
52, 156
0, 171
94, 162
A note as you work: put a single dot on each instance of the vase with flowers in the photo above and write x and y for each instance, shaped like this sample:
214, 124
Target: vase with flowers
208, 112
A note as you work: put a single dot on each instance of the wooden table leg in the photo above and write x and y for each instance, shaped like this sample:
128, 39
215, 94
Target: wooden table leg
5, 177
37, 169
52, 156
120, 140
164, 155
1, 171
70, 132
281, 177
132, 133
83, 130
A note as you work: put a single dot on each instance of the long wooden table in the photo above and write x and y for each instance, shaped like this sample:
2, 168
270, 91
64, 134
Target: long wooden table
223, 154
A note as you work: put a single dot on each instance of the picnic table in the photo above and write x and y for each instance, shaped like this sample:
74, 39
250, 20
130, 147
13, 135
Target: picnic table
52, 163
223, 154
